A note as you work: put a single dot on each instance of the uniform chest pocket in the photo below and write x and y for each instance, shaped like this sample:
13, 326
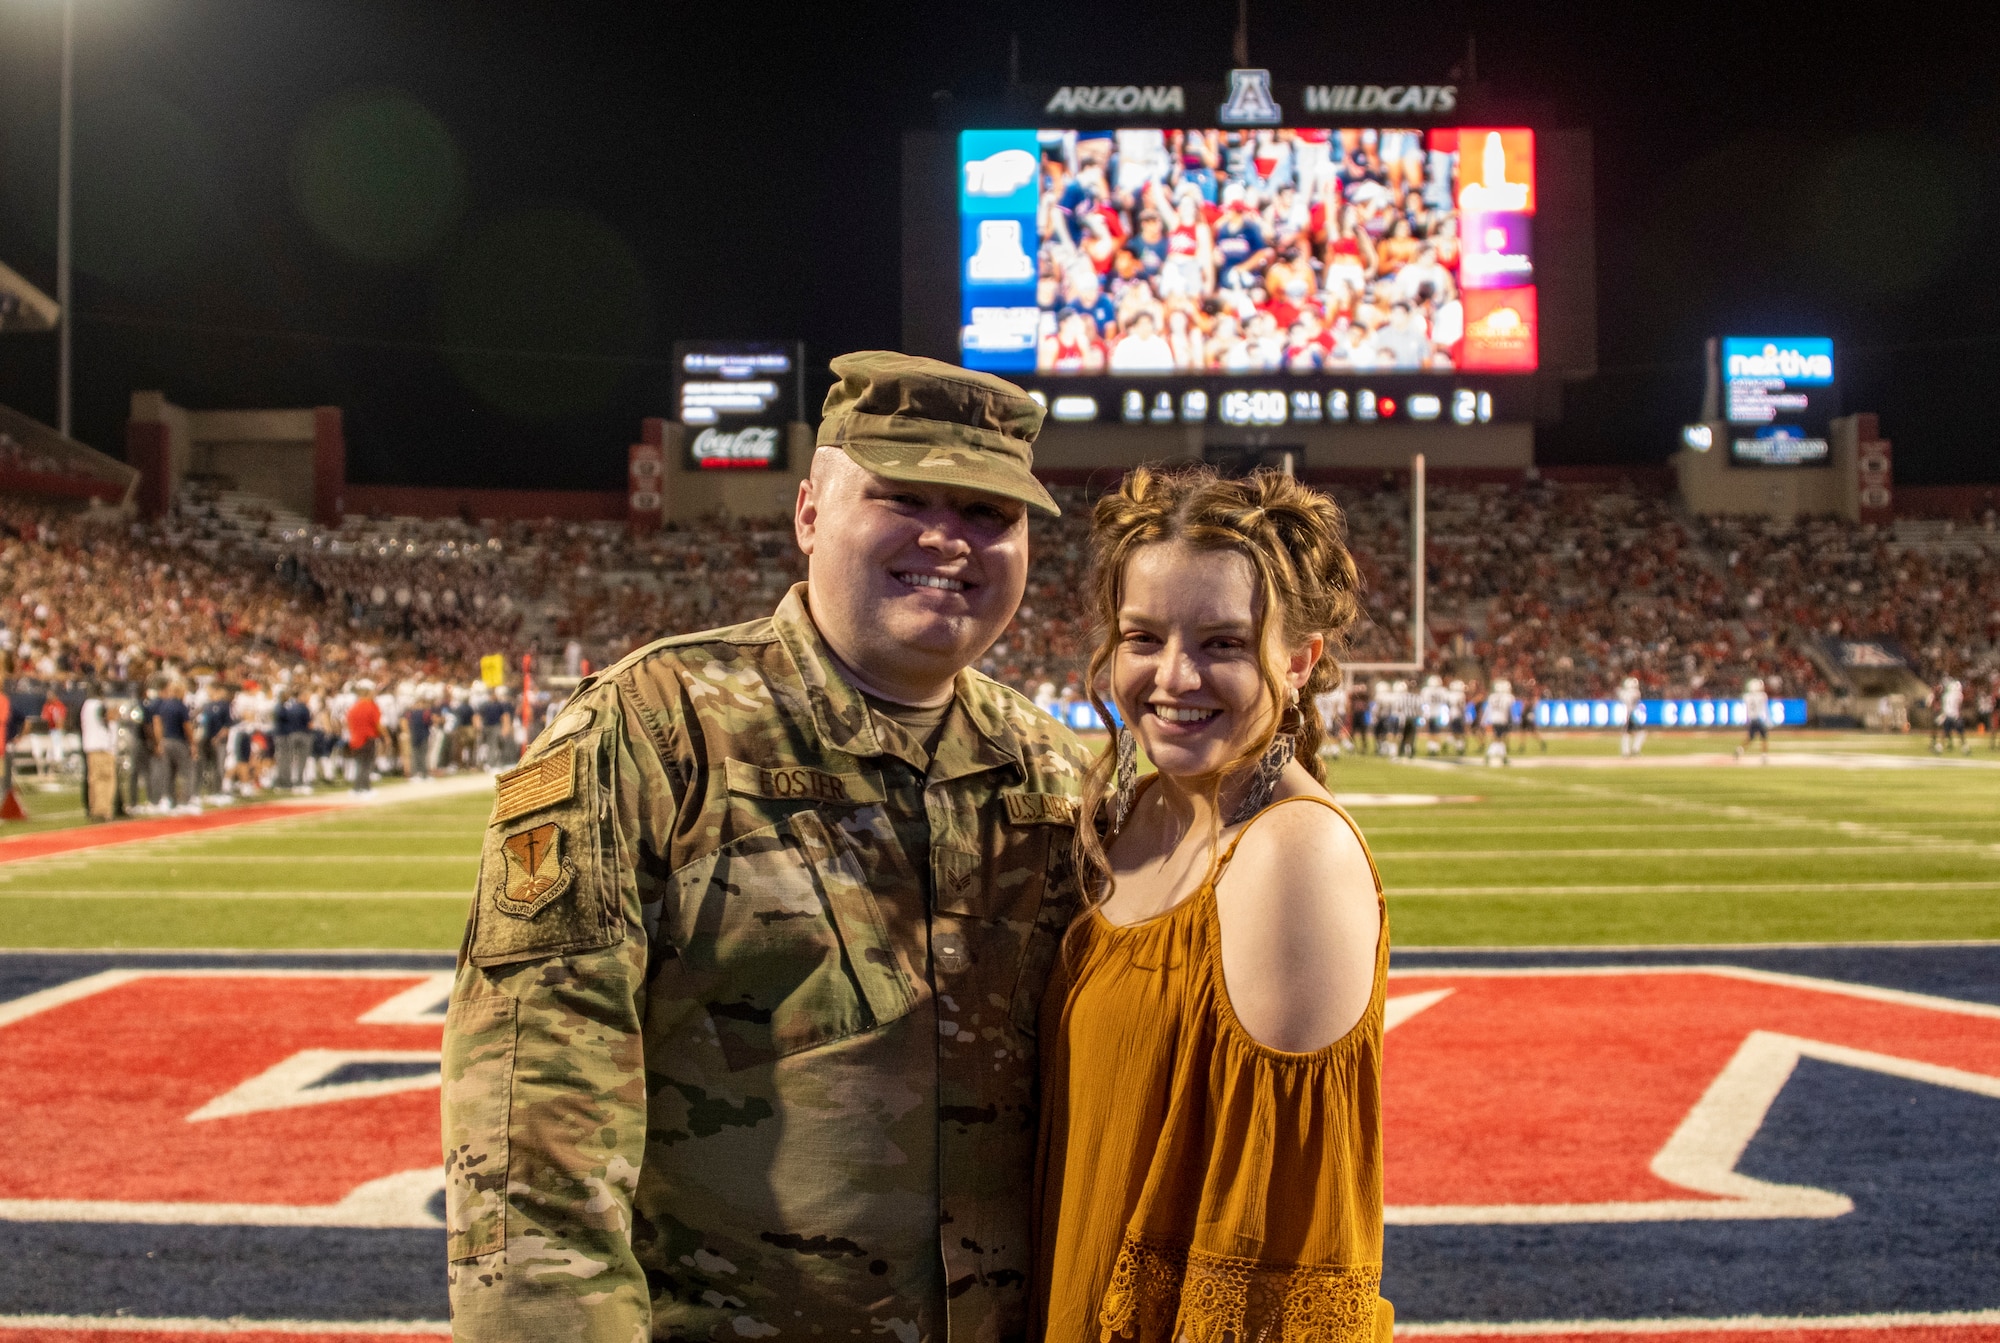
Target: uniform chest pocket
1005, 913
783, 944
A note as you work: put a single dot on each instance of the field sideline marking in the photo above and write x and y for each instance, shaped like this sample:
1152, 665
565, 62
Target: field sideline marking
1710, 1325
168, 858
1771, 815
75, 990
1613, 827
1672, 888
149, 894
1815, 851
235, 1324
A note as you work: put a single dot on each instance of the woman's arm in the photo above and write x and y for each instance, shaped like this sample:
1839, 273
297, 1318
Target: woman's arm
1300, 922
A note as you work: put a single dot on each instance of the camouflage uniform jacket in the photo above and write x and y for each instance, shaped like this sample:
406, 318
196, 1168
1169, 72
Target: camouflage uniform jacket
742, 1044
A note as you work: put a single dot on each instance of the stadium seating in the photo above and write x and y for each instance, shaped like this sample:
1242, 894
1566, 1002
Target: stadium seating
1568, 588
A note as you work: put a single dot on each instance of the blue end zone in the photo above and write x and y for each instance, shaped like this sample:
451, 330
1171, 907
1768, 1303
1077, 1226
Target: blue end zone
215, 1272
1921, 1162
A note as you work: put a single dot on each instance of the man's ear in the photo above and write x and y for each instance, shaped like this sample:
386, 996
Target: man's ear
805, 514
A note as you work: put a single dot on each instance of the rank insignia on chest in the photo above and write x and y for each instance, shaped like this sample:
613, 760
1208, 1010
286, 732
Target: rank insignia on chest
535, 872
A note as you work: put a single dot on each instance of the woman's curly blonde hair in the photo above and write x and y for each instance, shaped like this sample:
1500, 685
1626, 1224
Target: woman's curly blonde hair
1292, 534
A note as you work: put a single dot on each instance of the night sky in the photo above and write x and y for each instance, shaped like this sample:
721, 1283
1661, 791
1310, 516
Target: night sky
478, 227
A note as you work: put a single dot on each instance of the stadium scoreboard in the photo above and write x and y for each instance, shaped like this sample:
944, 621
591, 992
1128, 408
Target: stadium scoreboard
1778, 396
1140, 261
736, 397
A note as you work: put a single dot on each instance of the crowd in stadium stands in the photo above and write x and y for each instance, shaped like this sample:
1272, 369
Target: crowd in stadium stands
1563, 589
15, 457
1239, 251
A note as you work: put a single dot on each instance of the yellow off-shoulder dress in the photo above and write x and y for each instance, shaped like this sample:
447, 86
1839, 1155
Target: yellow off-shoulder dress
1193, 1184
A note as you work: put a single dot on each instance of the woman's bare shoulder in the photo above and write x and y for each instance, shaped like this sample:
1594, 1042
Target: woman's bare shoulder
1300, 919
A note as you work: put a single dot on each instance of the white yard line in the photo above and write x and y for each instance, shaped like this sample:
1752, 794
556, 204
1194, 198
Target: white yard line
151, 894
1765, 815
1693, 888
1729, 1324
1816, 851
133, 859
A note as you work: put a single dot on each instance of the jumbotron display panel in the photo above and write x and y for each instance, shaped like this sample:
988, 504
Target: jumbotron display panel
1149, 253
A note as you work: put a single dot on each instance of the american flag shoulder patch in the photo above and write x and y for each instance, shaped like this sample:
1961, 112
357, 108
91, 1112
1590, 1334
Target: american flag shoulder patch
535, 785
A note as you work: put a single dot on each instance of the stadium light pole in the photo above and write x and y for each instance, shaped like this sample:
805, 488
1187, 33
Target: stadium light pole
65, 143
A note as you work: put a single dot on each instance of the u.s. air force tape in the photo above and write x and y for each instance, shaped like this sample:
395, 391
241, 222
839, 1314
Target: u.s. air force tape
537, 784
1040, 809
797, 783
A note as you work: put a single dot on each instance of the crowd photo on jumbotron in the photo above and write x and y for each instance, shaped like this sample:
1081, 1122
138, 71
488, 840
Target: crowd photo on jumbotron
1249, 251
1072, 673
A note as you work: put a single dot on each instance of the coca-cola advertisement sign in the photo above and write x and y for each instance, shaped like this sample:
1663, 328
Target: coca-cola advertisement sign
735, 399
754, 447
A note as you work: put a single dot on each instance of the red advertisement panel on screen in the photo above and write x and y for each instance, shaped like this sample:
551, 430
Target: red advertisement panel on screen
1500, 330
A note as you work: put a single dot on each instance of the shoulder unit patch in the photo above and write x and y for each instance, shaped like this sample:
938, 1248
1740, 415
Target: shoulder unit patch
535, 871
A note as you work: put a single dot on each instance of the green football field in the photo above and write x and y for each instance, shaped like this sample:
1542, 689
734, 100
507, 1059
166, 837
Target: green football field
1841, 838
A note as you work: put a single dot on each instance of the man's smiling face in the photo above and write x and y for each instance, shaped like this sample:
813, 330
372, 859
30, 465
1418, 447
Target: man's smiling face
910, 582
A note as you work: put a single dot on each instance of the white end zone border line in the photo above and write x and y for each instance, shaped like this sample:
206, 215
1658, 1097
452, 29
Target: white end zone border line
401, 1199
132, 1324
1443, 1329
1942, 1319
1702, 1152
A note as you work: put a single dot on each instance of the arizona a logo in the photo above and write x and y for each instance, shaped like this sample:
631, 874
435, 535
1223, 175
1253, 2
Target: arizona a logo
1250, 102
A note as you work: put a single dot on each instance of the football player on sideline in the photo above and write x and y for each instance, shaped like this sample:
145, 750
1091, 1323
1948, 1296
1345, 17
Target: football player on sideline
1499, 718
1756, 718
1631, 717
1951, 717
1435, 704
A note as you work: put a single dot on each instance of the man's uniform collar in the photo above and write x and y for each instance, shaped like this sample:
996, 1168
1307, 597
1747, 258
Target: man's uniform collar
843, 721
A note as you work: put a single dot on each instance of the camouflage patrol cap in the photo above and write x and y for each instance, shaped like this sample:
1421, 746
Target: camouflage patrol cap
907, 418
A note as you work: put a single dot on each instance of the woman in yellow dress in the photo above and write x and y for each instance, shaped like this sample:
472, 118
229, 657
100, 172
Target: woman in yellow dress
1211, 1146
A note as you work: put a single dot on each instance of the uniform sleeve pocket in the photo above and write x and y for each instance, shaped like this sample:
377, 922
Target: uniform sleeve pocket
478, 1081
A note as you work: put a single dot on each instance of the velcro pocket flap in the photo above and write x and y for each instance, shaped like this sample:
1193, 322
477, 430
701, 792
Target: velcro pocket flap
864, 934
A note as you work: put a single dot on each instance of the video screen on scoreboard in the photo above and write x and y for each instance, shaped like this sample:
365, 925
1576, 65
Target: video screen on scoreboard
1144, 251
1778, 395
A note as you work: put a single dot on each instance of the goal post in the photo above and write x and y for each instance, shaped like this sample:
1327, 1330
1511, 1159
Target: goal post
1417, 583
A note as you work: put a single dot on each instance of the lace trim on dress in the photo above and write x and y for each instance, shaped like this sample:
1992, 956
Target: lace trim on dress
1163, 1294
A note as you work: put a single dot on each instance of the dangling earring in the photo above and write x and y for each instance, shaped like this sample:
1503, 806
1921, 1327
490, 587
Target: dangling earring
1126, 778
1264, 778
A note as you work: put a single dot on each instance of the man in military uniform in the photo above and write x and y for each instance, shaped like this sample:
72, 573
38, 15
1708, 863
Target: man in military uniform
742, 1044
